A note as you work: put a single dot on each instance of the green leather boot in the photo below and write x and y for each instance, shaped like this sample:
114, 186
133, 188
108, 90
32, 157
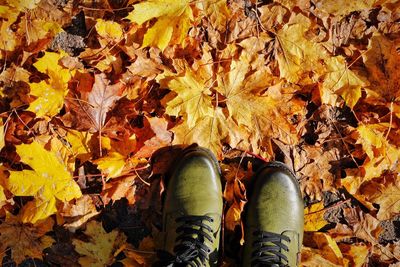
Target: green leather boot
274, 218
193, 210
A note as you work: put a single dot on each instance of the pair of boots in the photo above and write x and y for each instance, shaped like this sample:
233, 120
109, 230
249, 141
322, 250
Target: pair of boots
193, 211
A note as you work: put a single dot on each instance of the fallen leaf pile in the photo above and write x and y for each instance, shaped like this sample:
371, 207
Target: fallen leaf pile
95, 94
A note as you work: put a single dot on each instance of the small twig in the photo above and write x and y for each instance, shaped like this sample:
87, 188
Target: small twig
141, 179
331, 207
391, 120
142, 251
105, 9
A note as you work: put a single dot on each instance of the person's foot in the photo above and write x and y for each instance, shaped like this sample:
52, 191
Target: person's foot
193, 210
274, 218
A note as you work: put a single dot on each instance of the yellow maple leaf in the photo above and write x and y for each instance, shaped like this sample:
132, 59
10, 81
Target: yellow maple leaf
2, 197
311, 257
314, 217
261, 114
251, 114
37, 29
342, 7
9, 42
2, 132
241, 92
341, 80
100, 249
208, 132
295, 54
24, 240
382, 155
79, 144
105, 65
49, 180
109, 30
9, 39
173, 21
3, 185
23, 5
112, 164
356, 253
193, 97
217, 13
370, 139
49, 64
50, 95
74, 145
50, 99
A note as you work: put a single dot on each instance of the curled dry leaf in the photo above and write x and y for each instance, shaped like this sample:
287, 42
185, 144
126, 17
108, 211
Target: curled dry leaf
120, 188
77, 214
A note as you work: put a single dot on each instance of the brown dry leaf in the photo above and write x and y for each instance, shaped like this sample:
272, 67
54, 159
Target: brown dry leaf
24, 240
120, 188
14, 74
146, 67
272, 16
101, 246
77, 214
235, 195
385, 192
381, 61
359, 224
162, 137
314, 164
101, 99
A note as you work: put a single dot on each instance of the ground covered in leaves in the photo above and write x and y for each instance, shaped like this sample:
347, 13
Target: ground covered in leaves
95, 93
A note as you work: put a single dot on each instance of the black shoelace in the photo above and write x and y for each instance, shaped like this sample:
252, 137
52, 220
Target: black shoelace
191, 249
268, 250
